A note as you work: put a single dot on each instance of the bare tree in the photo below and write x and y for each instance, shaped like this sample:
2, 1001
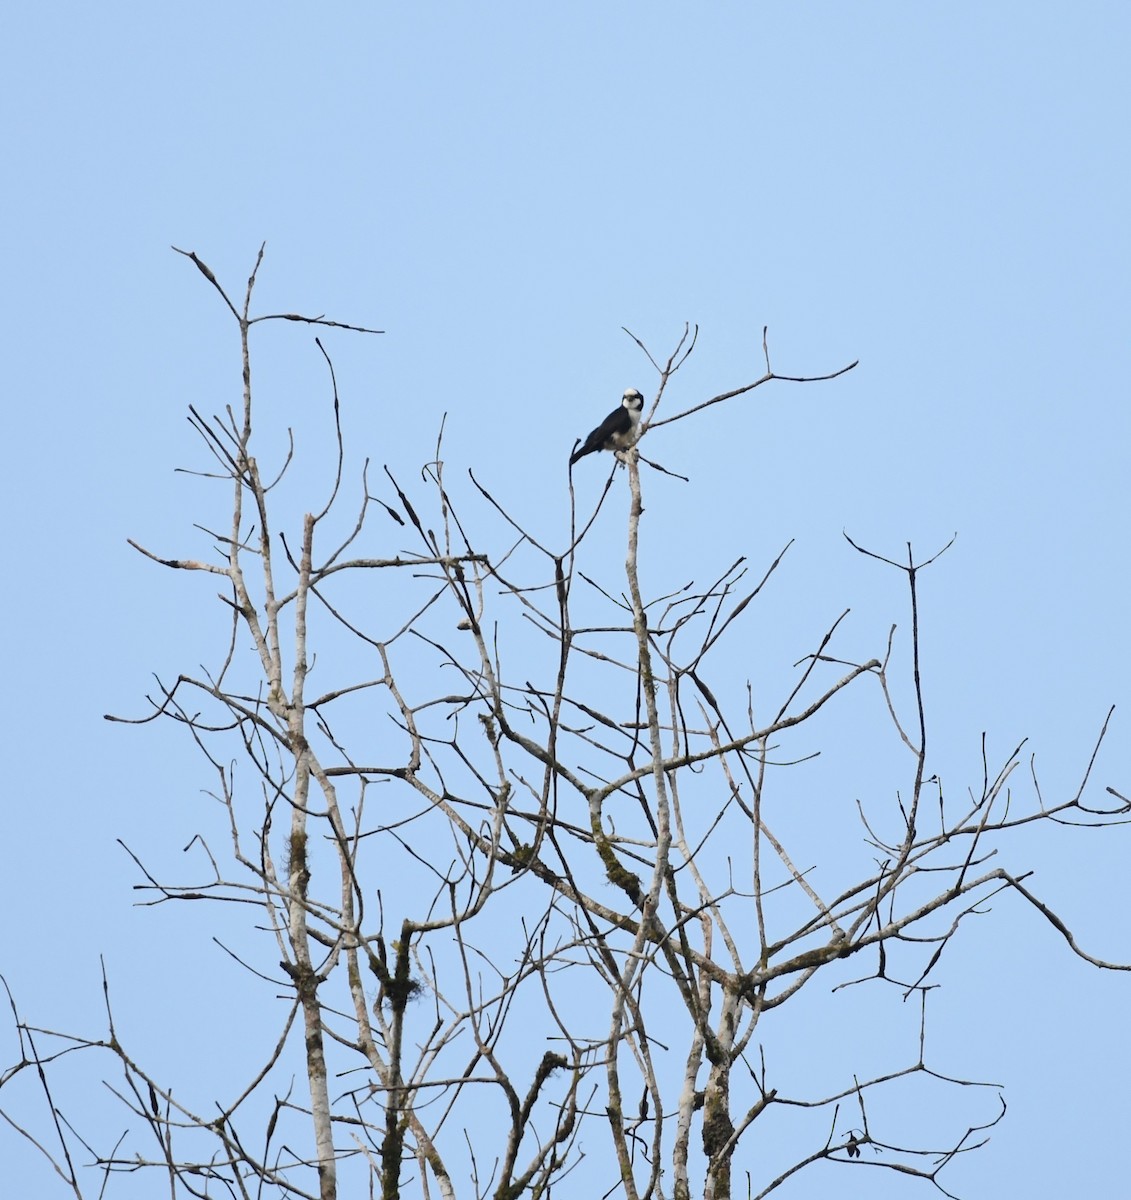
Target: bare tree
518, 864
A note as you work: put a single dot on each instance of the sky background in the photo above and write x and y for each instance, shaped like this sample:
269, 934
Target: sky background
941, 192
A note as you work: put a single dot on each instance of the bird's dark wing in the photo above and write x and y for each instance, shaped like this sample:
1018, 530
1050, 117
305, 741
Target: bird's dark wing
618, 421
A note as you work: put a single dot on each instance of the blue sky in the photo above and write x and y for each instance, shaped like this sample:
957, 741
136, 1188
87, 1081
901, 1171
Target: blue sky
938, 191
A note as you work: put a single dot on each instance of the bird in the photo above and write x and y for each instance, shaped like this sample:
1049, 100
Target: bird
617, 431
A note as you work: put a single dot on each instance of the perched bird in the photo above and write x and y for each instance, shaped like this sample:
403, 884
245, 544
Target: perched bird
617, 431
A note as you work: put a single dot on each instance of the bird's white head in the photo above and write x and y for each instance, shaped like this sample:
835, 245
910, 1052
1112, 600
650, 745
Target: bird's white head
632, 400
